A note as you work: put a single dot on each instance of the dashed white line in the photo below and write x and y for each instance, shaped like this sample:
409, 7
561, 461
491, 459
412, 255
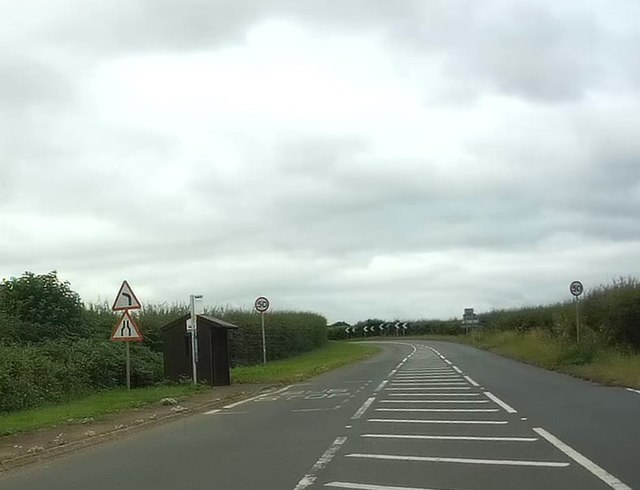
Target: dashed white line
324, 460
457, 369
451, 438
471, 381
232, 405
422, 421
381, 385
363, 408
497, 400
596, 470
448, 362
634, 391
436, 459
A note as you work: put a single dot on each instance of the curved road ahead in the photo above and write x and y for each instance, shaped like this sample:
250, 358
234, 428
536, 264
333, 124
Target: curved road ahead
419, 416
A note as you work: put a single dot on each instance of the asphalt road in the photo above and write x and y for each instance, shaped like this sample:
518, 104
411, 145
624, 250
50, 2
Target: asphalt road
421, 415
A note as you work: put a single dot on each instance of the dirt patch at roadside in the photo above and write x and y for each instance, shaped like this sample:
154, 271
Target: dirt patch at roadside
26, 448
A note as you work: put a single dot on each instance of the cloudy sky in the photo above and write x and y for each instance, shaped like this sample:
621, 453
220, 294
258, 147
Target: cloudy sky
358, 158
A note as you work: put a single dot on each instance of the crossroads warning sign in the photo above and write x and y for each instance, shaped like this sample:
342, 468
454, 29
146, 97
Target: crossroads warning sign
126, 330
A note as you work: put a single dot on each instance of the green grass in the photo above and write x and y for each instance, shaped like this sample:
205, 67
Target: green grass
302, 367
95, 406
334, 355
590, 360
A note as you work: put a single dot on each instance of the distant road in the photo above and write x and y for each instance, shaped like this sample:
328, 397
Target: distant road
419, 416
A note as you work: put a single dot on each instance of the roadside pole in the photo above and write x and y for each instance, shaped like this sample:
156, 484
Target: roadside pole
576, 289
194, 337
262, 305
128, 362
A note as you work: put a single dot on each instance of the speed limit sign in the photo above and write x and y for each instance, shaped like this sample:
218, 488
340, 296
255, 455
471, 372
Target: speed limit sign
576, 288
262, 304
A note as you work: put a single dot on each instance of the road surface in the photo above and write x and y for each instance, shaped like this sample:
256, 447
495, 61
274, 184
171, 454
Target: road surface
419, 416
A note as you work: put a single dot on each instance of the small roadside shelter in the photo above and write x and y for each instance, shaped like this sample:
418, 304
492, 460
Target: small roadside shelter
212, 349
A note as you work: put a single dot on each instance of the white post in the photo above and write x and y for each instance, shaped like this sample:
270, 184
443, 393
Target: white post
264, 341
194, 337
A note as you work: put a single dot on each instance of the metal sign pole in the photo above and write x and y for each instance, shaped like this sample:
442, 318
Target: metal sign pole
128, 362
577, 319
194, 337
264, 341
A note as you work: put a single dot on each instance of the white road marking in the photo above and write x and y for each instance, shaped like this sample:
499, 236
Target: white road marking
634, 391
232, 405
432, 388
434, 401
596, 470
457, 369
436, 409
367, 486
448, 362
433, 394
381, 385
451, 438
421, 421
363, 408
324, 460
471, 381
429, 383
435, 459
497, 400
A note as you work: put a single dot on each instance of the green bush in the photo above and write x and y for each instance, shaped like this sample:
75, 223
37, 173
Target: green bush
287, 334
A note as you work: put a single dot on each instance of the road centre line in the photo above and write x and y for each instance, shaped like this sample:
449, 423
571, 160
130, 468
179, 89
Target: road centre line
324, 460
363, 408
421, 421
366, 486
593, 468
436, 459
433, 401
451, 438
471, 381
436, 410
381, 385
497, 400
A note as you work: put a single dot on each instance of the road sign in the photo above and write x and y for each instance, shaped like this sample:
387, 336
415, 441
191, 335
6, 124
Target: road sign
365, 329
126, 330
262, 304
125, 299
576, 288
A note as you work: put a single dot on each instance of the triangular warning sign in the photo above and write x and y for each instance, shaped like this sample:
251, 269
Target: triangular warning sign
126, 330
126, 300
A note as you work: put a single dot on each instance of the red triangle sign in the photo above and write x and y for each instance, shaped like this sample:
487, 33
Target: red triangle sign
126, 330
126, 300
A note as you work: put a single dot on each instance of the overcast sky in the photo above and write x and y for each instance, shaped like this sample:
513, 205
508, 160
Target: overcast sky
357, 158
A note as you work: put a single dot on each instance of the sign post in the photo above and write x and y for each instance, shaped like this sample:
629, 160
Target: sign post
192, 327
126, 330
576, 289
262, 305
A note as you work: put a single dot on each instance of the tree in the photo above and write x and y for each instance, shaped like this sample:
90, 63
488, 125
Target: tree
46, 307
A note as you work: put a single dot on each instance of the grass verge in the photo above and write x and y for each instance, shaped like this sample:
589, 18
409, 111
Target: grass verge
305, 366
95, 406
589, 360
298, 368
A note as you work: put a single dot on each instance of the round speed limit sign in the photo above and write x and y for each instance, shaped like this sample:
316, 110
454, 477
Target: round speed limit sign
576, 288
262, 304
